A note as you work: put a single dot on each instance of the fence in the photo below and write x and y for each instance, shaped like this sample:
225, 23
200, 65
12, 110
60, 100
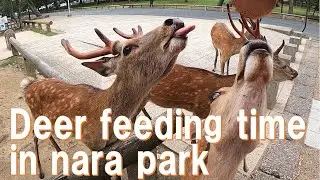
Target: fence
29, 23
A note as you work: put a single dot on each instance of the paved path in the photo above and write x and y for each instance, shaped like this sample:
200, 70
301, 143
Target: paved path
281, 159
312, 29
198, 53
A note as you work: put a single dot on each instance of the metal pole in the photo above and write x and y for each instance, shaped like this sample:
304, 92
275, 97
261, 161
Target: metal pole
307, 12
69, 7
12, 14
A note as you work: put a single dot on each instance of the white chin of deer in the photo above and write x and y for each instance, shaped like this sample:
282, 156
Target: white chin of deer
176, 45
259, 64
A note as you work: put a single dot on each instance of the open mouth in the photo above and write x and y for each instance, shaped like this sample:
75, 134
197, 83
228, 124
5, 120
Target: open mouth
256, 46
183, 32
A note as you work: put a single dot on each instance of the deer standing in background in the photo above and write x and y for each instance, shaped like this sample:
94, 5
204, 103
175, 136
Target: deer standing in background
142, 62
224, 40
254, 72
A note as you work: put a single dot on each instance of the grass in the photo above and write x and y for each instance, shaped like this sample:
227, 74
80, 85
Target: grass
190, 2
12, 61
44, 32
296, 10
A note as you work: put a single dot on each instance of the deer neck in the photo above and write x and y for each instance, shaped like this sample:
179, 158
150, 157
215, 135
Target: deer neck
225, 157
248, 95
237, 44
124, 96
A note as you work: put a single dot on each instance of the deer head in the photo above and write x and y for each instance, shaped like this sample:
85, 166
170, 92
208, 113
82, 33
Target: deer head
281, 70
156, 50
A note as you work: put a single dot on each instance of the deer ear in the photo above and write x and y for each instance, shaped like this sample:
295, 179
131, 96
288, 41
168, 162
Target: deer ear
101, 66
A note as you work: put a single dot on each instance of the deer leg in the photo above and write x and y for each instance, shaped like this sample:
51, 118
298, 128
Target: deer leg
35, 139
222, 67
245, 167
54, 143
216, 59
145, 112
228, 62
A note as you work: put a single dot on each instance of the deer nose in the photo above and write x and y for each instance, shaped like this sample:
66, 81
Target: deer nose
178, 23
168, 22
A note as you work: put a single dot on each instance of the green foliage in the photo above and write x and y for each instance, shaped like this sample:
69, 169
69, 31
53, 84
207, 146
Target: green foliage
44, 32
13, 61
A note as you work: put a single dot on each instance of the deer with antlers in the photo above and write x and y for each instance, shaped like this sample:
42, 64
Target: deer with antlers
248, 92
142, 62
227, 44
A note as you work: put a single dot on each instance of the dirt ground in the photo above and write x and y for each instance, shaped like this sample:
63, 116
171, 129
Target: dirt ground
11, 96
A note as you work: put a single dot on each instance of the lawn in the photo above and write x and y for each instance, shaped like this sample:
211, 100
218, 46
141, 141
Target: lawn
296, 10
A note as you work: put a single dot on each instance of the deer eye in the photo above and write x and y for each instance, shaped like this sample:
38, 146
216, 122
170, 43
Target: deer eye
168, 22
127, 50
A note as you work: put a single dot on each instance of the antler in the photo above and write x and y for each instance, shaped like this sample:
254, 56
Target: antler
242, 32
110, 48
255, 31
128, 36
279, 49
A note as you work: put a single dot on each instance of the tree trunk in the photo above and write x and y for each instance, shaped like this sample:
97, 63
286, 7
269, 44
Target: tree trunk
34, 10
220, 3
290, 7
19, 4
56, 5
46, 5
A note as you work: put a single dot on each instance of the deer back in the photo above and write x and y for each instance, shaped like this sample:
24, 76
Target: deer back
189, 88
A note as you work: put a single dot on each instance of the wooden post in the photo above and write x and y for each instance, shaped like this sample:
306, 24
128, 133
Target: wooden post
30, 68
7, 34
40, 26
14, 51
33, 25
132, 170
272, 92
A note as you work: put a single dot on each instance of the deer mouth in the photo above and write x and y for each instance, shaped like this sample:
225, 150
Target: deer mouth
257, 46
182, 32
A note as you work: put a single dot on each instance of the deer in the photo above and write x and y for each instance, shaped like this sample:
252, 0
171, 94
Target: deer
142, 62
254, 72
225, 42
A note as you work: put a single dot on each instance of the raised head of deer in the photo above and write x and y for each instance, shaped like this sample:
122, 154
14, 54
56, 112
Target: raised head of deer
142, 62
248, 92
224, 41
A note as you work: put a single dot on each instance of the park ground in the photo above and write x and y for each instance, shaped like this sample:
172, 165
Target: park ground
79, 29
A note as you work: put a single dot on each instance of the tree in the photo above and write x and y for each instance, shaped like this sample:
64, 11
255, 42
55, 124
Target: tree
7, 7
290, 7
33, 8
220, 3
